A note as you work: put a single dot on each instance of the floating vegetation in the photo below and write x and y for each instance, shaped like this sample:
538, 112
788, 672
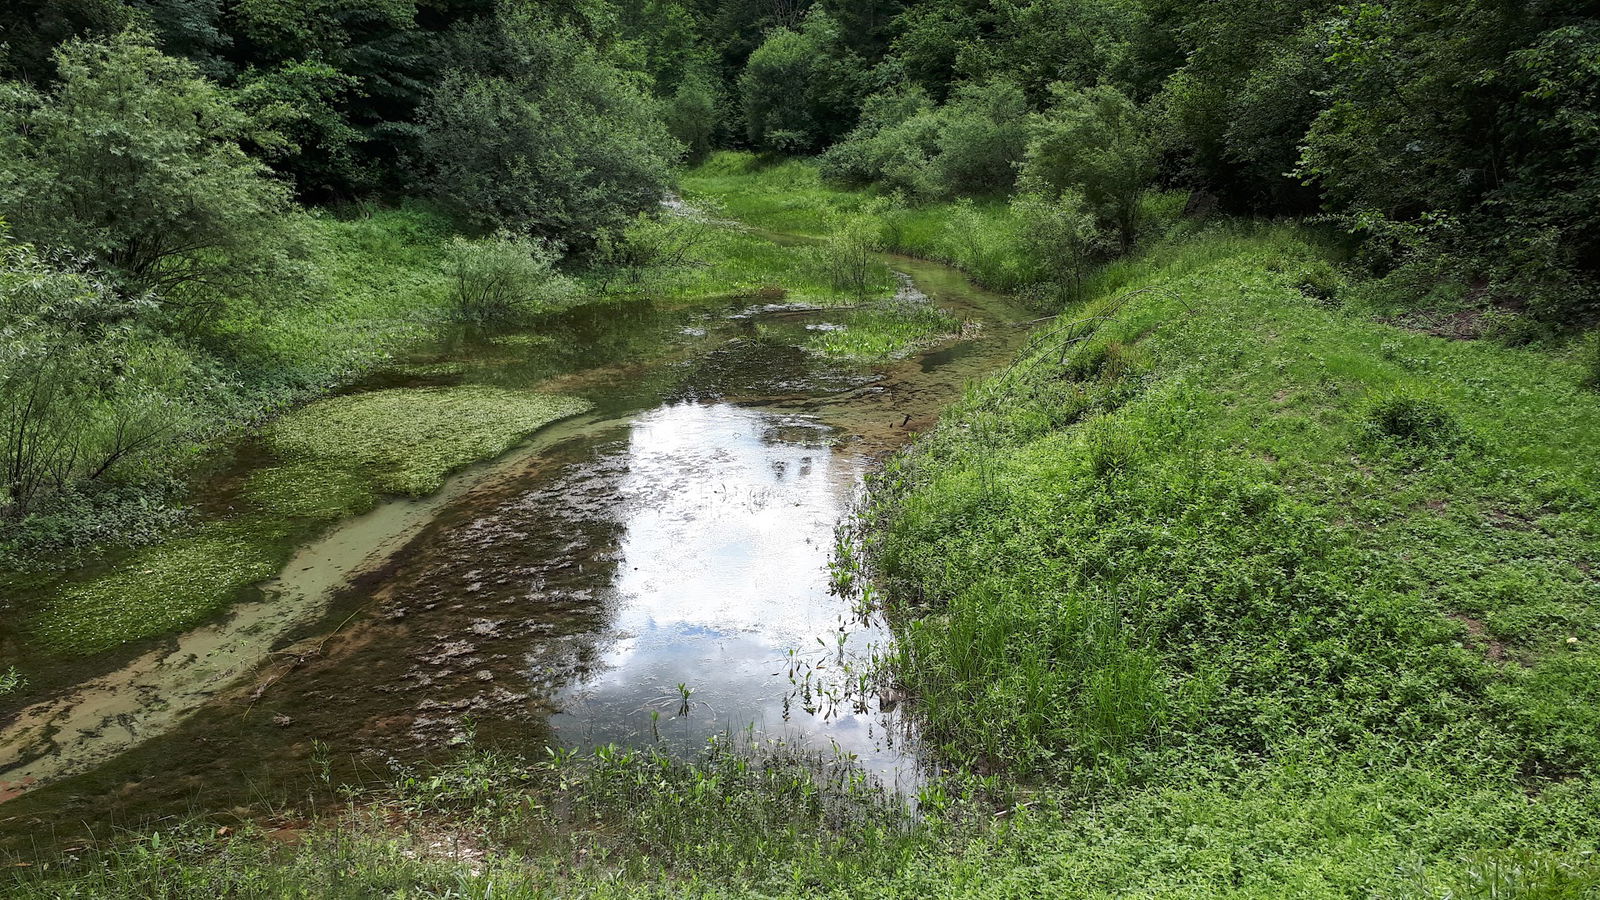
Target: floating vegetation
409, 439
339, 456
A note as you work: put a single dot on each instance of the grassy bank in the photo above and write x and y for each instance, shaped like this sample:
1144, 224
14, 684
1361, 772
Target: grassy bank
381, 283
370, 282
1242, 563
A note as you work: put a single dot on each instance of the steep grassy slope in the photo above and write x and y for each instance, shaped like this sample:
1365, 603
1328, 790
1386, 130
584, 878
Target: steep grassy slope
1297, 603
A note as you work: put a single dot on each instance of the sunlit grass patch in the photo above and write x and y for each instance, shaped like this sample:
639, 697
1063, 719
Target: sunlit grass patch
731, 263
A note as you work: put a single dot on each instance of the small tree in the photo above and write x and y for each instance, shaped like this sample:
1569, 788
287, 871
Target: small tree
134, 161
651, 243
801, 89
692, 114
1094, 141
84, 391
504, 277
982, 137
1060, 240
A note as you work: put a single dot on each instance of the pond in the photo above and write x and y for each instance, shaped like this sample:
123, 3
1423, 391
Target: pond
653, 571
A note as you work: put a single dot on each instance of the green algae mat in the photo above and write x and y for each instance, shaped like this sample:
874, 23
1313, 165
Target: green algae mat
330, 459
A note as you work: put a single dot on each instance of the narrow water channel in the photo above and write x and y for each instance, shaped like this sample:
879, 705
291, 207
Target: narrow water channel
654, 571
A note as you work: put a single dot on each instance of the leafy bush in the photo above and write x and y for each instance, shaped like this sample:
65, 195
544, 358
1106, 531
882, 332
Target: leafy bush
692, 115
302, 126
968, 147
891, 146
1059, 240
552, 140
652, 243
982, 137
85, 392
847, 254
133, 161
1095, 141
504, 277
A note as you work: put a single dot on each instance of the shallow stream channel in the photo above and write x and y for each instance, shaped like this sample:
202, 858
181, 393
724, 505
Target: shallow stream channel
654, 571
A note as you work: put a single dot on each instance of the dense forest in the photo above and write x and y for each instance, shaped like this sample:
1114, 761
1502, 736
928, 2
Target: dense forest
1287, 565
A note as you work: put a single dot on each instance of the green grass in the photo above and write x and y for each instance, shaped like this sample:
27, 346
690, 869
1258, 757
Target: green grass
787, 196
727, 261
884, 330
981, 237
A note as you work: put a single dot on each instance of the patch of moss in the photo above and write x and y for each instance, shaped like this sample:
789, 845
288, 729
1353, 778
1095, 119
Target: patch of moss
338, 456
162, 587
408, 439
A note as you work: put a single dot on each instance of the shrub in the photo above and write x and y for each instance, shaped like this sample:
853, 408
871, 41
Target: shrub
692, 115
650, 243
1059, 240
1095, 141
1413, 419
554, 143
504, 277
982, 137
847, 254
133, 161
84, 391
892, 146
968, 147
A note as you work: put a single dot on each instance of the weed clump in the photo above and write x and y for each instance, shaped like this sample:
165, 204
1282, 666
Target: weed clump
1589, 358
1322, 283
1109, 449
1413, 419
